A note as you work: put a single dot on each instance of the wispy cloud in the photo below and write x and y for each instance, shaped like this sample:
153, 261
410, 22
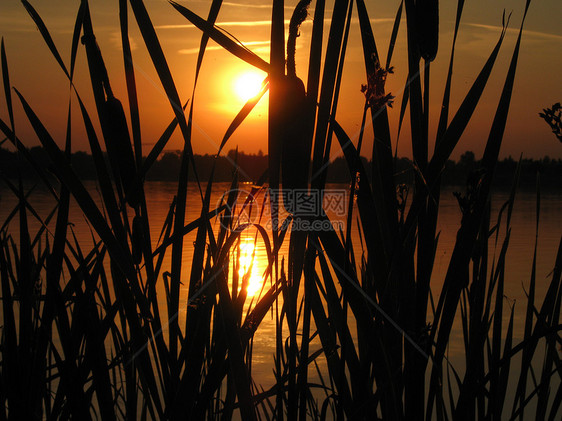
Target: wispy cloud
250, 6
221, 24
253, 23
115, 39
526, 32
196, 50
260, 44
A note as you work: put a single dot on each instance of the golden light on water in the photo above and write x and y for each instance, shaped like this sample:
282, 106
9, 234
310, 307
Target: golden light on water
247, 85
248, 255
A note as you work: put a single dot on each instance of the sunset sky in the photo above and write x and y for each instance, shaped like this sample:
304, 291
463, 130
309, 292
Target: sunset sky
34, 72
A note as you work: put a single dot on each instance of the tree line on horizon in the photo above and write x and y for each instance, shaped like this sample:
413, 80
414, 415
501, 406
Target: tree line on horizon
253, 168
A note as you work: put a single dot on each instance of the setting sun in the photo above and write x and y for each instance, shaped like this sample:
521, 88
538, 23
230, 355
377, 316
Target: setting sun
247, 85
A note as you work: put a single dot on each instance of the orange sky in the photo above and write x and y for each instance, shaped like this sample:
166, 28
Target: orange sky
34, 71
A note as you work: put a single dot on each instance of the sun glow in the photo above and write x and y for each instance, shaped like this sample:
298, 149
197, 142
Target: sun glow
248, 263
247, 85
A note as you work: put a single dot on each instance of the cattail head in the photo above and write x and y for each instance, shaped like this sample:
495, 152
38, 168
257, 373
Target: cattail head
295, 151
120, 145
427, 28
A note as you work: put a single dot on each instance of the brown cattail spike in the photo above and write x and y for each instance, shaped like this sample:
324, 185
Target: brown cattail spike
120, 145
294, 153
294, 150
427, 28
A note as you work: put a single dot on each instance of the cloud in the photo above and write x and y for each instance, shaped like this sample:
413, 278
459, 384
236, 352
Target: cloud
196, 50
526, 32
12, 24
253, 6
221, 24
254, 23
260, 44
115, 40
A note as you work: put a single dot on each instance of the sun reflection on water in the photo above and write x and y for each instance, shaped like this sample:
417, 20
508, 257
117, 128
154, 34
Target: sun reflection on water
248, 266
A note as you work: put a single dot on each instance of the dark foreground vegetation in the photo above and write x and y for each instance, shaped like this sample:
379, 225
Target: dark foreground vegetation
253, 168
127, 329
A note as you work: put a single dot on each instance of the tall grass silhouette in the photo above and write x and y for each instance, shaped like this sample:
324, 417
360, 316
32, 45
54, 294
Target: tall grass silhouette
85, 334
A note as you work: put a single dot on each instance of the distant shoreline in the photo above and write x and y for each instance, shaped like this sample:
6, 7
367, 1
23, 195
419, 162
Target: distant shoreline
252, 167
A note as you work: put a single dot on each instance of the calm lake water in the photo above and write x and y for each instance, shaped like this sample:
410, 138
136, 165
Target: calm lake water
518, 267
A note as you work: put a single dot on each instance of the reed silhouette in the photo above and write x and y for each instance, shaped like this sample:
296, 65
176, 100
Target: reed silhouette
110, 333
